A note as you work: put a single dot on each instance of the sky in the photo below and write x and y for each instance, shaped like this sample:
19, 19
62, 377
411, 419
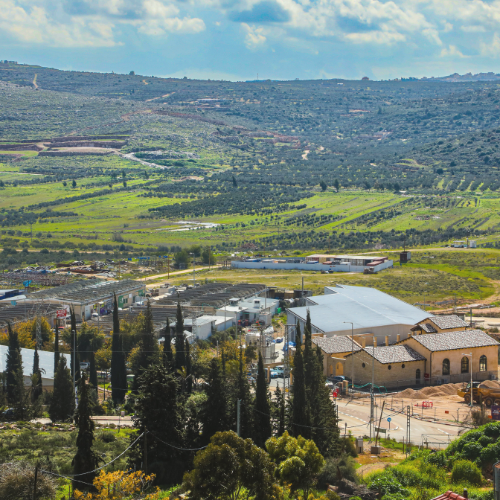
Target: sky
250, 39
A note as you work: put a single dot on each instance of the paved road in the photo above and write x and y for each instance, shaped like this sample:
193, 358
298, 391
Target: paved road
356, 416
174, 273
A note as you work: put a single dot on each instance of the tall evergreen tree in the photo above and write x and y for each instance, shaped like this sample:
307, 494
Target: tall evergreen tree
308, 354
158, 411
300, 414
242, 392
85, 460
62, 402
325, 432
168, 355
148, 347
215, 418
37, 388
279, 412
93, 374
263, 429
118, 364
189, 374
75, 358
180, 355
56, 347
14, 366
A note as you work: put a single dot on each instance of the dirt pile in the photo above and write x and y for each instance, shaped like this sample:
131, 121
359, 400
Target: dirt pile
490, 384
431, 392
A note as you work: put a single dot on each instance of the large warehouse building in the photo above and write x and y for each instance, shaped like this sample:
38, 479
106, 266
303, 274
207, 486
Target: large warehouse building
370, 311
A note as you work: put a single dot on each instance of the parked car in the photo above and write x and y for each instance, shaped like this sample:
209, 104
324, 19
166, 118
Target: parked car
281, 371
330, 385
279, 340
9, 414
338, 378
84, 365
275, 374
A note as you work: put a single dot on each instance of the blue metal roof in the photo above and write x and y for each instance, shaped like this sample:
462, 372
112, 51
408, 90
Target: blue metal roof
365, 307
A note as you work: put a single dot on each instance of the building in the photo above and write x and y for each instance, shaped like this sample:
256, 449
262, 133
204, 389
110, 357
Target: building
334, 350
85, 296
251, 310
439, 324
370, 311
446, 354
430, 358
46, 363
390, 366
319, 262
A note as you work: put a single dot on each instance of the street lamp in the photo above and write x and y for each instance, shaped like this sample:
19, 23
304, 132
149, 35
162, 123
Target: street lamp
352, 364
471, 392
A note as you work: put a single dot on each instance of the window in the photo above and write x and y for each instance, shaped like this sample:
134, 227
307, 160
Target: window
417, 376
483, 363
403, 365
389, 367
446, 366
464, 365
363, 365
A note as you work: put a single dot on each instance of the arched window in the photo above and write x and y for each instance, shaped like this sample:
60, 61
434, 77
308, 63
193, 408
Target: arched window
483, 363
465, 365
446, 366
417, 376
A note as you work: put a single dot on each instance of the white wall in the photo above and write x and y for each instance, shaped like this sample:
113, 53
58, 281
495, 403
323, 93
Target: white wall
308, 267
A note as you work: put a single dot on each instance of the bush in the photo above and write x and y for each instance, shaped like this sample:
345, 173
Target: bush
438, 458
329, 473
17, 479
465, 471
386, 484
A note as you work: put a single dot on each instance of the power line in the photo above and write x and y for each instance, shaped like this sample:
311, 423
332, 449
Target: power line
176, 447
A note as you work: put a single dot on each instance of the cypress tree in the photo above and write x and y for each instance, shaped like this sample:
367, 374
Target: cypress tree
37, 388
308, 355
93, 374
168, 356
75, 359
85, 459
56, 347
300, 413
189, 379
14, 366
180, 356
148, 347
279, 411
118, 366
62, 402
324, 419
214, 416
158, 411
263, 428
242, 393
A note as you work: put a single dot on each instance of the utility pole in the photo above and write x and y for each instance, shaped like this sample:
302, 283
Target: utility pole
408, 436
74, 366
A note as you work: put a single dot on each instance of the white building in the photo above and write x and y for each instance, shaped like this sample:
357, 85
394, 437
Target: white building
370, 311
250, 310
46, 363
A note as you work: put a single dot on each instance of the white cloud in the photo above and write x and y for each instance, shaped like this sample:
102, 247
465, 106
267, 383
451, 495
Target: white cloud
34, 26
91, 23
451, 51
378, 37
491, 49
255, 37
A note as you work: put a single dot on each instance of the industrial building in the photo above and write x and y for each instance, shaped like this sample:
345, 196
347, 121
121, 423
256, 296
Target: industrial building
46, 363
84, 296
319, 262
369, 310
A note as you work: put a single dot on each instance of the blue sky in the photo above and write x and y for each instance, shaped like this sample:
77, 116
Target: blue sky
240, 39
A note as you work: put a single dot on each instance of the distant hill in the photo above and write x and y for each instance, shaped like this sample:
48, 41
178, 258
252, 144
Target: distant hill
468, 77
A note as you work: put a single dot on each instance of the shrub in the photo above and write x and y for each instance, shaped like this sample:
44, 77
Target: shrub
438, 458
17, 479
329, 473
386, 484
465, 471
